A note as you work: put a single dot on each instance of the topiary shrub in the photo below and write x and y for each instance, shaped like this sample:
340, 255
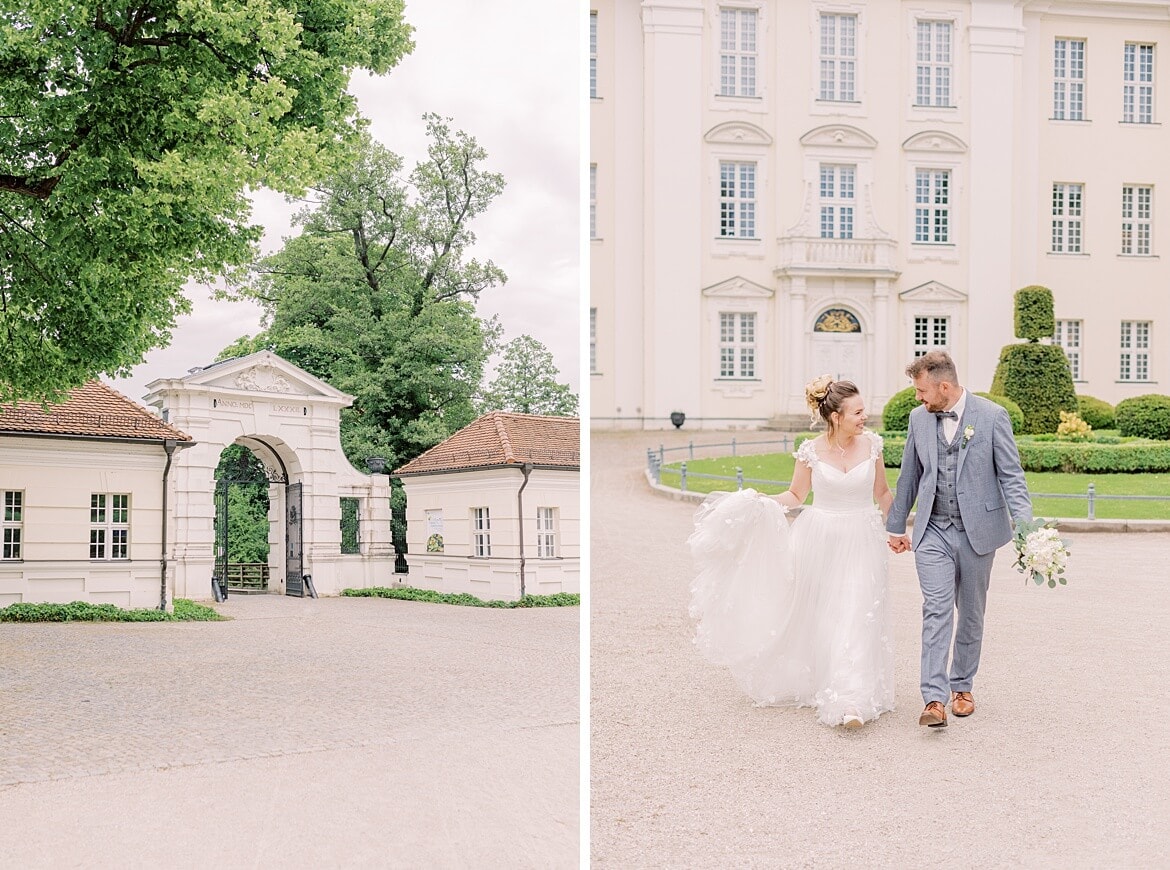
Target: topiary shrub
1096, 412
1145, 416
896, 413
1014, 412
1073, 428
1035, 313
1037, 378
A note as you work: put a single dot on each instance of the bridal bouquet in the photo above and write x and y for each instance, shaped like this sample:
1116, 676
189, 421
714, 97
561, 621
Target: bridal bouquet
1040, 552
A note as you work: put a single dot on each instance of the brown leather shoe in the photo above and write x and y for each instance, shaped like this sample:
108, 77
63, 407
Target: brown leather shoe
962, 704
934, 716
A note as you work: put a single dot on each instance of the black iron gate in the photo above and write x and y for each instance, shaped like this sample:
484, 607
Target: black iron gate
294, 578
219, 572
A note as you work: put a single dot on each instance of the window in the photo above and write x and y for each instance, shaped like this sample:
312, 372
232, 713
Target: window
737, 52
592, 55
1067, 212
932, 206
839, 58
837, 198
593, 200
1135, 350
13, 524
1068, 336
933, 67
737, 200
930, 333
546, 533
1136, 218
1068, 80
109, 526
481, 532
1137, 93
592, 340
349, 526
737, 345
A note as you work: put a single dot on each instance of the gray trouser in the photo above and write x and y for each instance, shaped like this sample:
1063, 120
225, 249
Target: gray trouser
952, 576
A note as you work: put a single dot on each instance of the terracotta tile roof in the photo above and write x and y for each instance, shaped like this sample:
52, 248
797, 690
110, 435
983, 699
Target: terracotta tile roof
92, 409
500, 438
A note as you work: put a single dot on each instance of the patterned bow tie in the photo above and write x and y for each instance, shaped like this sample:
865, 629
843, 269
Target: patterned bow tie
944, 415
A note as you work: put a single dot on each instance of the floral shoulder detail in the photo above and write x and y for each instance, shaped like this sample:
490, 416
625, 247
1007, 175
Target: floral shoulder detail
875, 445
807, 453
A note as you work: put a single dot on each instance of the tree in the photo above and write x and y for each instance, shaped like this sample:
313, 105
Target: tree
247, 504
526, 382
376, 295
129, 134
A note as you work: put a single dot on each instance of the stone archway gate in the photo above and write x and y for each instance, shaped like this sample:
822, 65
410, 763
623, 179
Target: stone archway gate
291, 421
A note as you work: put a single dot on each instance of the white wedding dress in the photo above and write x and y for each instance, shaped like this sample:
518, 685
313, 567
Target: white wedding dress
799, 614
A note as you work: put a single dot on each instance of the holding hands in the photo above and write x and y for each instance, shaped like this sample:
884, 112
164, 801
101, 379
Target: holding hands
899, 543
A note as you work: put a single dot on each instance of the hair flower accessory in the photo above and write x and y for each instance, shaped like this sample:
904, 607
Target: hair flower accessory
968, 434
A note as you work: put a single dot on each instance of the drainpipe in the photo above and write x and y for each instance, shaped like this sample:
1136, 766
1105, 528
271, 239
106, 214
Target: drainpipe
169, 446
525, 469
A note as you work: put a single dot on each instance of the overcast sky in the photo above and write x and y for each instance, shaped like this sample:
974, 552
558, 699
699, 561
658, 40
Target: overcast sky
508, 73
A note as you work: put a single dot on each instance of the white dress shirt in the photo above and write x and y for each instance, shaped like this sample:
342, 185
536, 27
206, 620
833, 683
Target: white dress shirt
950, 427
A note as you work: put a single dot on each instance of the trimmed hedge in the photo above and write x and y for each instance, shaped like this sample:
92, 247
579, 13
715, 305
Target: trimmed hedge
896, 413
1096, 412
82, 611
1037, 378
411, 593
1047, 453
1014, 413
1145, 416
1034, 313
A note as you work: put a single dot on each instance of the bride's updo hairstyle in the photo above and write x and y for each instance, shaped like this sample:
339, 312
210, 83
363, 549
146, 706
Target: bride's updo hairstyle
825, 395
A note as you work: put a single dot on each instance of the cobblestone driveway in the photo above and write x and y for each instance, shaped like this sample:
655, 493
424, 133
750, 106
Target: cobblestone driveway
335, 732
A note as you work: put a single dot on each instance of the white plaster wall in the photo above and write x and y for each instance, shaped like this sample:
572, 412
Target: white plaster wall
58, 477
497, 576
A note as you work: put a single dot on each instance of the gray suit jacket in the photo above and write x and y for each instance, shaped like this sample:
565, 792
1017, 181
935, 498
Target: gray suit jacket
990, 479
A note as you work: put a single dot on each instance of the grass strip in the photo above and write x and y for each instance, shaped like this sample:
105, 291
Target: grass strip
410, 593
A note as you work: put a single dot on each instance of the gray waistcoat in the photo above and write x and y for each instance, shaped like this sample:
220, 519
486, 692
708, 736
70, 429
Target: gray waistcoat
945, 510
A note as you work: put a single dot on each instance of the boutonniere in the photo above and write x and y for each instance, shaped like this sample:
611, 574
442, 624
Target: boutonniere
968, 434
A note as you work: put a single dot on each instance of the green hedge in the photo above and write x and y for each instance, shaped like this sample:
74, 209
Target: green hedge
410, 593
83, 611
1037, 378
1046, 453
1096, 412
1145, 416
896, 413
1034, 313
1014, 413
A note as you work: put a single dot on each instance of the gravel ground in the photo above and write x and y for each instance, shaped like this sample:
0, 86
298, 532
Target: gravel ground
1063, 763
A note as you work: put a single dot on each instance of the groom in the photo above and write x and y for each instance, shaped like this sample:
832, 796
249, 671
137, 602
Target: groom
962, 466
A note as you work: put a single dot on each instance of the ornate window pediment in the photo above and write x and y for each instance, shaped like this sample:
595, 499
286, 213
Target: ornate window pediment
738, 288
935, 142
737, 133
932, 291
838, 136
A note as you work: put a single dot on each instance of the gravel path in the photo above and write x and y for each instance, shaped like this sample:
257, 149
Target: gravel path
1062, 765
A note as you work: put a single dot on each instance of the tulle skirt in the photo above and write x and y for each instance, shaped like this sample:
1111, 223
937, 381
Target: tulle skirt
797, 614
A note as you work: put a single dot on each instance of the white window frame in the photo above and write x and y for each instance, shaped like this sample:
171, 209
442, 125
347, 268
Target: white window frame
738, 346
481, 532
1068, 78
1134, 358
1137, 220
1067, 218
1137, 77
592, 340
837, 56
931, 210
739, 51
928, 329
593, 201
738, 197
837, 193
12, 524
1068, 337
934, 76
546, 532
109, 527
592, 55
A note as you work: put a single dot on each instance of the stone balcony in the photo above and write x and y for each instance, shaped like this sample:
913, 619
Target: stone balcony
871, 258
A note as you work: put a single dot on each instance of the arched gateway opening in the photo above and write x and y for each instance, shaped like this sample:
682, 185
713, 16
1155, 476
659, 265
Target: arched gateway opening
327, 521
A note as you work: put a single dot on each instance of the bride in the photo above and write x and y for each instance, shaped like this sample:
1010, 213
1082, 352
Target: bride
799, 615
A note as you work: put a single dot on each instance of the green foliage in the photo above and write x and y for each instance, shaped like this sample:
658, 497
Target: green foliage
1093, 457
349, 526
526, 382
377, 294
1145, 416
129, 137
896, 414
247, 504
1037, 378
1034, 314
82, 611
1013, 410
1096, 412
409, 593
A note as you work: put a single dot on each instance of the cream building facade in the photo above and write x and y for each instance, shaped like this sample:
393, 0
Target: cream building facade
781, 189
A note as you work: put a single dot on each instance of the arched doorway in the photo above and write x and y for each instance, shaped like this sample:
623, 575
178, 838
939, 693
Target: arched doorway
837, 346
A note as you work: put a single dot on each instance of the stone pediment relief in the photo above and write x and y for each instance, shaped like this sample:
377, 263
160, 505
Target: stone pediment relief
932, 291
935, 141
838, 136
737, 133
738, 288
263, 372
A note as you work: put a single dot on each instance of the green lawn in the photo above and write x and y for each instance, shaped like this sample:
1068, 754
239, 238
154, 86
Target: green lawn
778, 467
